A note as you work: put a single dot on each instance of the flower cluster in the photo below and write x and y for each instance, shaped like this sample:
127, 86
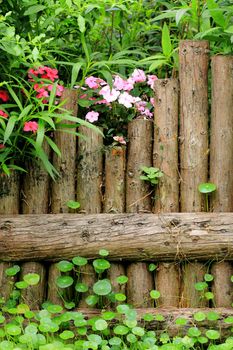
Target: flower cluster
112, 107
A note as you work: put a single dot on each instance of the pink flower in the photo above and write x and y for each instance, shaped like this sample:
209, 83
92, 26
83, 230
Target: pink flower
92, 116
151, 80
2, 146
45, 72
121, 84
94, 83
31, 126
140, 106
138, 76
127, 100
147, 113
120, 139
108, 94
152, 101
4, 95
59, 91
3, 114
42, 93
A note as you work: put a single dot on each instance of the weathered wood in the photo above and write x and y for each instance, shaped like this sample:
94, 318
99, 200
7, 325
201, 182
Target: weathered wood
126, 236
6, 282
222, 286
138, 196
35, 189
33, 296
115, 271
63, 189
165, 150
167, 282
139, 285
54, 294
193, 74
221, 145
191, 274
88, 277
115, 164
9, 193
90, 171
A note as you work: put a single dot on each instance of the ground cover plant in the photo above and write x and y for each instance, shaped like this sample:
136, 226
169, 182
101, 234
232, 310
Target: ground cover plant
64, 327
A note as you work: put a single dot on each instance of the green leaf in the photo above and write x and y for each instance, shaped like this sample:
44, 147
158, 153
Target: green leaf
81, 287
40, 133
200, 286
199, 316
12, 329
9, 128
53, 146
73, 204
208, 277
79, 261
102, 287
216, 13
92, 300
152, 267
75, 71
212, 316
100, 325
21, 285
81, 23
101, 264
65, 266
212, 334
12, 271
31, 279
194, 332
64, 281
25, 111
121, 330
207, 187
157, 64
155, 294
103, 252
122, 279
166, 41
34, 9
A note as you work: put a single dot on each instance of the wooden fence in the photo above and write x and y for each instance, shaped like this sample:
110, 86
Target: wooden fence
188, 145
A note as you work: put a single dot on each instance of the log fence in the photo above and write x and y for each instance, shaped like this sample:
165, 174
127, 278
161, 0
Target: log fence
121, 213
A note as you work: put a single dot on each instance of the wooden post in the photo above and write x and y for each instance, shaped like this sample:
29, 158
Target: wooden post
165, 157
90, 171
9, 205
35, 200
221, 145
193, 74
54, 292
138, 199
165, 151
115, 163
63, 189
88, 277
192, 273
221, 161
114, 200
222, 286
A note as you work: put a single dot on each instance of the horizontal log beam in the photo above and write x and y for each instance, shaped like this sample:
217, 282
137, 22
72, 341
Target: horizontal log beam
145, 237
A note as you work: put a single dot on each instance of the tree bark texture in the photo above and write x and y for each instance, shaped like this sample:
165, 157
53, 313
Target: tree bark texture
193, 73
90, 171
145, 237
139, 285
222, 285
88, 277
167, 282
138, 197
192, 273
54, 292
6, 282
115, 164
221, 145
63, 189
165, 151
34, 296
9, 194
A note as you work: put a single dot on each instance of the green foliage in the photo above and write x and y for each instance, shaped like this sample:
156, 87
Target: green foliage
151, 174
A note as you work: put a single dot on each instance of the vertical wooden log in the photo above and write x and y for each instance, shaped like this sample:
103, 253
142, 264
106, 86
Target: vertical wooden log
138, 199
221, 161
222, 286
165, 151
114, 200
35, 201
34, 295
9, 205
167, 281
35, 189
6, 283
165, 157
90, 171
88, 277
9, 194
63, 189
115, 163
193, 73
192, 273
139, 285
221, 145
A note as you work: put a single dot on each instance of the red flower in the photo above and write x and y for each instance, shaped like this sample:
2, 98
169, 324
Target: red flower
3, 114
2, 146
31, 126
4, 95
